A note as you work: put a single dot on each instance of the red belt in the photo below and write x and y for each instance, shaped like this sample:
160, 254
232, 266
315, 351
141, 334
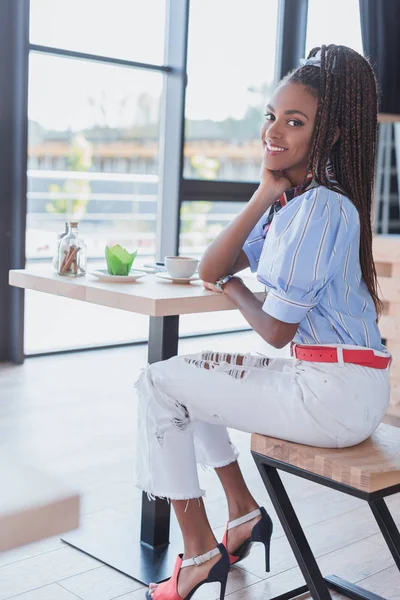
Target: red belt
333, 354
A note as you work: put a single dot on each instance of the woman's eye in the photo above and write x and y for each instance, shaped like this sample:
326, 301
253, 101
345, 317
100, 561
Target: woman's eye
295, 123
292, 122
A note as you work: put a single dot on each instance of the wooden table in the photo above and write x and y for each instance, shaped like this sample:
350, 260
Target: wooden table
33, 505
150, 554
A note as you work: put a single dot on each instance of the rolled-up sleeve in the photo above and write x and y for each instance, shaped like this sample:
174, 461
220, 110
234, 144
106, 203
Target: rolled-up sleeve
306, 245
255, 242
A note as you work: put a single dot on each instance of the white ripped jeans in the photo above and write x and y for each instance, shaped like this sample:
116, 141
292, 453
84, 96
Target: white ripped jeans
186, 404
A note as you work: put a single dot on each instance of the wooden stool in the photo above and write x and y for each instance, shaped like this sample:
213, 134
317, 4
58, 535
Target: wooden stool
370, 471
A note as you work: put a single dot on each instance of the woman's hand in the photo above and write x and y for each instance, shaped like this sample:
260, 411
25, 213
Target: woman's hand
273, 181
211, 287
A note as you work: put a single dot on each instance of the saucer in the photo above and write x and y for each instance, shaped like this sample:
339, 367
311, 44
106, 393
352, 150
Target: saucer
103, 275
169, 277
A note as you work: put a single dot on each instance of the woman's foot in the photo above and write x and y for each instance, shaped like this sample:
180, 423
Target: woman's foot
191, 576
239, 534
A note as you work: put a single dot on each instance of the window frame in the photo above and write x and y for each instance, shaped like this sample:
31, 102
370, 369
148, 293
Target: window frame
174, 189
290, 47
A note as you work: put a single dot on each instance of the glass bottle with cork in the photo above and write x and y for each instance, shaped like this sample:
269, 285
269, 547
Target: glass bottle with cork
59, 236
72, 255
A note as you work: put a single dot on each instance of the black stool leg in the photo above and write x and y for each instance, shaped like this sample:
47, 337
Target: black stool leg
387, 526
294, 532
318, 585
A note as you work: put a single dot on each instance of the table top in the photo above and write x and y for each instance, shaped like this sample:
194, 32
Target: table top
149, 295
33, 505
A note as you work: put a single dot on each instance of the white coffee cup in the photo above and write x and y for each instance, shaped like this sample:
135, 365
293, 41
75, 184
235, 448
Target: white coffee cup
181, 267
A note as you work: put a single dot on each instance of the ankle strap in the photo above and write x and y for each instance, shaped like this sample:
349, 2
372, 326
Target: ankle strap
244, 519
200, 558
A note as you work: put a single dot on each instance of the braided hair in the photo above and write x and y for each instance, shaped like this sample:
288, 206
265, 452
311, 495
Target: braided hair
346, 89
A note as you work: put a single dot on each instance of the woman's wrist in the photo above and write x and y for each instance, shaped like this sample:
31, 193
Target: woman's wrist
264, 196
233, 284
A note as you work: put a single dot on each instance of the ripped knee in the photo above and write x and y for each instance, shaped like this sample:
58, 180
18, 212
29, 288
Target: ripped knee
210, 365
257, 361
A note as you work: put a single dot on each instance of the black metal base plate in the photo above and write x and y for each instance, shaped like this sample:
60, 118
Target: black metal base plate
350, 590
117, 545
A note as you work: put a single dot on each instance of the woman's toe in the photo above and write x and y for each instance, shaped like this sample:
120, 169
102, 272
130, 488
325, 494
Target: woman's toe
152, 588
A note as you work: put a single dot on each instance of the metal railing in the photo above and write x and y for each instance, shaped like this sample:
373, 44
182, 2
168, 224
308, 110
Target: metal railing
134, 225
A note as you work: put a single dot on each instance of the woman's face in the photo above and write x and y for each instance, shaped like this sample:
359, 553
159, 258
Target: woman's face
288, 130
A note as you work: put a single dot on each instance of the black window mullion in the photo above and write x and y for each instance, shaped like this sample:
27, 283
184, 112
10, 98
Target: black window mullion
14, 44
98, 58
216, 191
291, 36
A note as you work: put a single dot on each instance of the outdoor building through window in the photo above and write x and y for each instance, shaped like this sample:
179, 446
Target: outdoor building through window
231, 64
93, 154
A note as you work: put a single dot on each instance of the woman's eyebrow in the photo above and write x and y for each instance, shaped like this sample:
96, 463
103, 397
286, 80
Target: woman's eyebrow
290, 112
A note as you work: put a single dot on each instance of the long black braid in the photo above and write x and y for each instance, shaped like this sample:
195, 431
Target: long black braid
346, 89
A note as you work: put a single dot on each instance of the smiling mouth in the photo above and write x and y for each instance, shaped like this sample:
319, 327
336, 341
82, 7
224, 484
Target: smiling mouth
273, 150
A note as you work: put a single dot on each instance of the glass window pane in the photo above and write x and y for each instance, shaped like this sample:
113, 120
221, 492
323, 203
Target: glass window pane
93, 157
128, 29
201, 222
334, 23
231, 60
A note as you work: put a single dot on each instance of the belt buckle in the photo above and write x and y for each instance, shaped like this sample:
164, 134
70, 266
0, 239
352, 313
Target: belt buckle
339, 353
293, 349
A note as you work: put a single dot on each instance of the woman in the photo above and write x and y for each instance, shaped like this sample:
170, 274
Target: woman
307, 233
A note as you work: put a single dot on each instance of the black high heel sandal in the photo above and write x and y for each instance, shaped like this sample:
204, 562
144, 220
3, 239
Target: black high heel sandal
261, 532
218, 574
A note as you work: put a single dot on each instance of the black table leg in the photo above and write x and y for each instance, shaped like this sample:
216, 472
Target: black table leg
163, 344
163, 338
144, 549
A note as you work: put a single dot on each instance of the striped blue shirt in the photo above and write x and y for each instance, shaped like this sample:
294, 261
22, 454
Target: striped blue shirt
309, 262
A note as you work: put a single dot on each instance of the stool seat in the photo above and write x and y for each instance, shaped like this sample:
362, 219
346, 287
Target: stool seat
369, 471
370, 466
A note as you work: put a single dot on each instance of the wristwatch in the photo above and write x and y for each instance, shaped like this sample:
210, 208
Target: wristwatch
222, 281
